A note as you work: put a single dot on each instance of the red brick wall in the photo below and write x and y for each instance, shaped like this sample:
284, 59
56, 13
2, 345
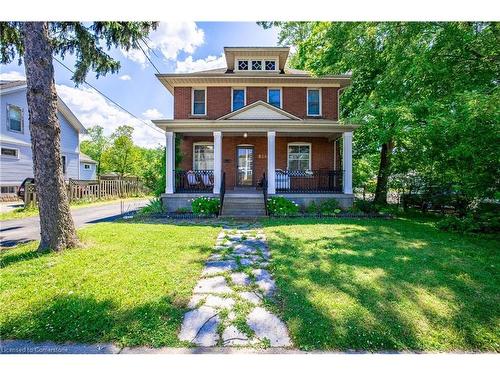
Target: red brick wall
322, 153
219, 101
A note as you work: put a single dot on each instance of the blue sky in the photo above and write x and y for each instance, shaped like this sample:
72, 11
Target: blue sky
178, 47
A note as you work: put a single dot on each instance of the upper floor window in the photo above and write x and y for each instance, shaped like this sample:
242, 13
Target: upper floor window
314, 102
199, 102
274, 97
256, 65
238, 99
15, 118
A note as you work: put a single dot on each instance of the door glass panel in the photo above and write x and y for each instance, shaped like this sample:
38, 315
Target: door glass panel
245, 166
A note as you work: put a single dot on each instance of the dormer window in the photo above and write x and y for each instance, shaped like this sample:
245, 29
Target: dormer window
257, 65
270, 65
242, 65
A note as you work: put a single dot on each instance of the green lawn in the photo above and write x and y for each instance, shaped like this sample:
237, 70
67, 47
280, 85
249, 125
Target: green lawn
129, 285
386, 285
21, 213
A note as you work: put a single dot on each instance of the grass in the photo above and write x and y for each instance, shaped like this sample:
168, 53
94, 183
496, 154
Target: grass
129, 284
21, 213
385, 285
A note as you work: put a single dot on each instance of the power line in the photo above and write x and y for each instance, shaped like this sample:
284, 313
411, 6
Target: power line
147, 57
111, 100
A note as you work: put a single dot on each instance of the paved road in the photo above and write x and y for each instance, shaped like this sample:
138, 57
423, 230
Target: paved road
13, 232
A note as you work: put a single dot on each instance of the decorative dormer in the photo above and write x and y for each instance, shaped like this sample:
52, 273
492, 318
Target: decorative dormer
256, 59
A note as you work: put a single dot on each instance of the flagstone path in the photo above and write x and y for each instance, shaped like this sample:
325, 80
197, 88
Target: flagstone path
232, 302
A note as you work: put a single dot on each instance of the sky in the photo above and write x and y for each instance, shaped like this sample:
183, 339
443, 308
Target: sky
176, 47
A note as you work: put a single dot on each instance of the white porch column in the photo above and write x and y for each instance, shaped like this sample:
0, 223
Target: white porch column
217, 161
347, 162
271, 157
170, 162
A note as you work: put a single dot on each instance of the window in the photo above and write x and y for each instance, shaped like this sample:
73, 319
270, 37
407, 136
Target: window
63, 162
86, 166
256, 65
238, 100
203, 156
274, 97
14, 118
242, 65
8, 189
199, 102
270, 65
10, 152
299, 156
313, 102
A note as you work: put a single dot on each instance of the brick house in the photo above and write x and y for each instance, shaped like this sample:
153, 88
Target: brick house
254, 124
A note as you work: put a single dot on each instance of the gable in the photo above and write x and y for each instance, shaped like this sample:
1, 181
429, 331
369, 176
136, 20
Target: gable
259, 111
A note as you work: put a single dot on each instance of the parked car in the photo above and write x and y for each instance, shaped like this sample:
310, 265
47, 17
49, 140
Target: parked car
22, 188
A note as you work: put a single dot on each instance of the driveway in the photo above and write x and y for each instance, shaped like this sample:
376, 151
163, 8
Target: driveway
13, 232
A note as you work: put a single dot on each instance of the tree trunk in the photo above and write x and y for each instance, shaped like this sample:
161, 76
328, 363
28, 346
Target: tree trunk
383, 173
57, 229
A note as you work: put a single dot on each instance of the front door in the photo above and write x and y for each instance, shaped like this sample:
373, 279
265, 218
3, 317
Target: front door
244, 168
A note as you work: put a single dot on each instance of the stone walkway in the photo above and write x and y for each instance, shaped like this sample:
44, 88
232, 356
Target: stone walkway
232, 302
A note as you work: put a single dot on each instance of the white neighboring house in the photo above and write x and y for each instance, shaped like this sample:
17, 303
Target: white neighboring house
16, 162
88, 167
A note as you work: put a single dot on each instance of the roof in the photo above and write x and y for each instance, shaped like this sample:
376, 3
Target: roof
231, 52
84, 158
9, 86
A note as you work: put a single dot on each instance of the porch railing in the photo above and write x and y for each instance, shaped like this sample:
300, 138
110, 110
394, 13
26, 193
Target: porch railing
310, 181
201, 181
222, 192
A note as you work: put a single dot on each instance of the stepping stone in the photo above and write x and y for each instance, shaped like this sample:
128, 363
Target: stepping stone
267, 287
240, 278
243, 250
251, 297
195, 300
233, 337
208, 335
212, 268
246, 262
219, 302
261, 274
194, 321
267, 325
215, 284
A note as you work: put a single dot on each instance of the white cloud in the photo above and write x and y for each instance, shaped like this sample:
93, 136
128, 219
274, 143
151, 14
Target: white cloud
125, 77
190, 65
12, 76
152, 114
170, 38
91, 108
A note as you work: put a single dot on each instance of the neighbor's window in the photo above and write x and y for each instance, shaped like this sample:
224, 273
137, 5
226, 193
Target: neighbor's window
86, 166
11, 152
203, 157
274, 97
238, 99
313, 102
8, 189
63, 162
299, 157
242, 65
199, 102
270, 65
15, 118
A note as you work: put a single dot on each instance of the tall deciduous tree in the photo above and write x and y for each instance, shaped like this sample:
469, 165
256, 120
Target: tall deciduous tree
37, 43
96, 145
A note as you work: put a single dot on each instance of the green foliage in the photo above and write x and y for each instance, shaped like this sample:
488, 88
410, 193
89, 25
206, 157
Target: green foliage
312, 208
282, 206
205, 205
155, 206
96, 145
367, 207
329, 206
484, 219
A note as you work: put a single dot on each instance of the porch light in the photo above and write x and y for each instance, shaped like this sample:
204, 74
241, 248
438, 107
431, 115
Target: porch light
245, 135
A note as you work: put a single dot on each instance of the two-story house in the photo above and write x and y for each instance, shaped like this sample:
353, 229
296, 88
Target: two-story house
257, 123
16, 161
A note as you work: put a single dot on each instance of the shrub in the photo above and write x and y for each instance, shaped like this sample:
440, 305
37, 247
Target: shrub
183, 210
312, 208
154, 206
484, 219
205, 205
330, 206
365, 206
282, 206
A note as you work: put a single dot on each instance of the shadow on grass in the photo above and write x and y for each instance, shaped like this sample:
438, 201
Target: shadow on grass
385, 285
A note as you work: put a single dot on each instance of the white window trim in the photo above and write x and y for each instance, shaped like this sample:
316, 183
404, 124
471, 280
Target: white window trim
199, 144
10, 156
8, 119
86, 166
320, 101
263, 64
298, 144
281, 95
192, 100
244, 94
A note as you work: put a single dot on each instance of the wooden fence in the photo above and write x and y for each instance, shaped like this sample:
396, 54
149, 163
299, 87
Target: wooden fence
92, 190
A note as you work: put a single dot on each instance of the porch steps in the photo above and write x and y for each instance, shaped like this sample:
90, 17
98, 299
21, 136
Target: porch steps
239, 205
